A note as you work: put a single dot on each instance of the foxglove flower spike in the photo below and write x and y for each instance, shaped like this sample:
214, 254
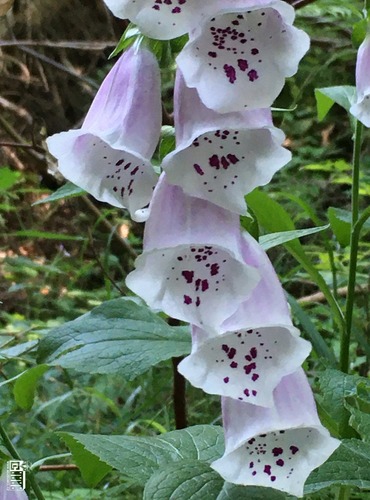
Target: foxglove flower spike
192, 266
222, 157
259, 344
277, 447
239, 58
109, 155
361, 109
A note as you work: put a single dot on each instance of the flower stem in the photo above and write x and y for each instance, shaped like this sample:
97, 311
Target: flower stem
179, 395
355, 234
14, 454
179, 388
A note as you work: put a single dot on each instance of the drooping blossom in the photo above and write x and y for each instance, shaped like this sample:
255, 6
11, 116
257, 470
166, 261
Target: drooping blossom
361, 109
276, 447
162, 19
256, 347
222, 157
240, 57
109, 156
192, 266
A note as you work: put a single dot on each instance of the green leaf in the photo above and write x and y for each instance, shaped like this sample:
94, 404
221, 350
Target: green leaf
249, 222
92, 469
335, 166
25, 386
8, 178
341, 222
139, 457
46, 235
360, 421
318, 343
195, 480
348, 466
68, 190
119, 336
128, 38
334, 387
359, 32
274, 239
341, 228
168, 141
344, 95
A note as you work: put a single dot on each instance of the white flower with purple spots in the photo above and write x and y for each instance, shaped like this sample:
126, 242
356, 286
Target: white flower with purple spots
161, 19
192, 266
221, 158
240, 57
277, 447
109, 156
361, 109
260, 345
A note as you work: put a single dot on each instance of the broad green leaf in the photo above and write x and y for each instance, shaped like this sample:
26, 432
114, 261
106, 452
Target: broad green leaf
344, 95
139, 457
360, 421
341, 228
8, 178
274, 239
31, 233
18, 350
318, 343
25, 386
92, 469
335, 386
195, 480
68, 190
349, 465
119, 336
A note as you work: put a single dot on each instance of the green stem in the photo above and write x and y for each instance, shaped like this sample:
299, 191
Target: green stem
14, 454
355, 233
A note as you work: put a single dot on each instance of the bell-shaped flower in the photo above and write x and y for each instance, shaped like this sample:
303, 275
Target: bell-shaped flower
192, 266
361, 109
162, 19
259, 347
276, 447
109, 156
222, 157
240, 57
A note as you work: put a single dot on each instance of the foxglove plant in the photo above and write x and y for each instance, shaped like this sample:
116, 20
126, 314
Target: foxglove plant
278, 446
192, 266
243, 53
222, 157
255, 348
109, 156
361, 108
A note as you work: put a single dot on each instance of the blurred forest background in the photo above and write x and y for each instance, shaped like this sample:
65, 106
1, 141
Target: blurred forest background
60, 259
